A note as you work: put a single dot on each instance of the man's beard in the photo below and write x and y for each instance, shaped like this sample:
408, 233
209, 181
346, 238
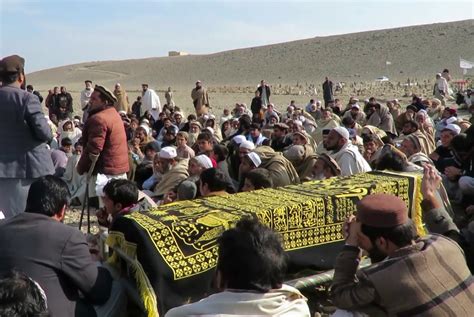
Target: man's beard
376, 255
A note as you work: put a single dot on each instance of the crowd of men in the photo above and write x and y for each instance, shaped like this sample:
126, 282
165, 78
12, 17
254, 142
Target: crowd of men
125, 158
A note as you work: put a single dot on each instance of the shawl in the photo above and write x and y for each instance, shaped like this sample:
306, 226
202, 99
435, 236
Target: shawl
386, 120
172, 178
200, 99
281, 170
371, 130
122, 101
374, 119
151, 103
284, 302
324, 124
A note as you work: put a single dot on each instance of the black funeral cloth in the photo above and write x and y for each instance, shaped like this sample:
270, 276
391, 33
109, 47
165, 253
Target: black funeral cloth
176, 243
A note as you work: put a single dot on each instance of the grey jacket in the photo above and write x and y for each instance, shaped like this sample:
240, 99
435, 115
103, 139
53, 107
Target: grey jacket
57, 257
24, 132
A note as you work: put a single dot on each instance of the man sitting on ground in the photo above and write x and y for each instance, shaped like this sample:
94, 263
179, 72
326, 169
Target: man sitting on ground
173, 169
53, 254
213, 183
410, 276
250, 273
255, 179
345, 154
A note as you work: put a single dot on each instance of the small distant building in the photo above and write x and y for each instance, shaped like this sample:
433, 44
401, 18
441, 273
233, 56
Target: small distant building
177, 53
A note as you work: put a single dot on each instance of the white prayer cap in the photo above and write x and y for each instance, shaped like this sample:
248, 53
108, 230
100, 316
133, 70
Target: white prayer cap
168, 152
145, 121
211, 116
318, 102
438, 74
247, 145
343, 132
451, 120
238, 139
122, 112
177, 114
356, 105
254, 158
210, 129
204, 161
298, 122
147, 128
454, 128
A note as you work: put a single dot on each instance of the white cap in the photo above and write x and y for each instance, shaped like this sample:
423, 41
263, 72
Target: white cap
210, 129
247, 145
451, 120
254, 158
356, 105
342, 132
146, 127
122, 112
238, 139
454, 128
204, 161
168, 152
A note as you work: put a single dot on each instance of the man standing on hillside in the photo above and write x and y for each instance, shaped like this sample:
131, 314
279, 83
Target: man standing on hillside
169, 98
24, 133
85, 96
328, 93
265, 93
65, 100
441, 88
150, 102
200, 99
103, 136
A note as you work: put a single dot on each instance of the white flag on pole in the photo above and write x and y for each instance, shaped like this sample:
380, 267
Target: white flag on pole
465, 64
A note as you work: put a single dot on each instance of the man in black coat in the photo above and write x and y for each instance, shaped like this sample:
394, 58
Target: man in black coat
53, 254
24, 132
265, 93
328, 93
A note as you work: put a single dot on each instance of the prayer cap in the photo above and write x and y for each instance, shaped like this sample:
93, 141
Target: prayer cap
12, 64
210, 129
342, 132
204, 161
356, 105
247, 145
382, 211
105, 93
254, 158
168, 152
454, 128
238, 139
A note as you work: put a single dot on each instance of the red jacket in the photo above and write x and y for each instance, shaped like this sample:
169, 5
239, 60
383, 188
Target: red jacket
104, 134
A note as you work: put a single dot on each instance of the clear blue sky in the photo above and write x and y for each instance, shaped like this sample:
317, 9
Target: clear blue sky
50, 33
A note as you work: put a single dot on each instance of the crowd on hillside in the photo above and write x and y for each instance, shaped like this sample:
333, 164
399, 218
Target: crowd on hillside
126, 158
